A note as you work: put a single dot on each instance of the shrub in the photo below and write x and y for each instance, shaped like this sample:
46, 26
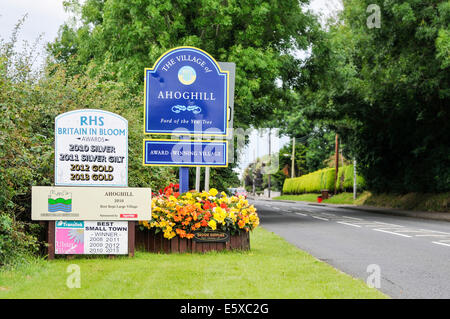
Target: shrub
309, 183
29, 104
15, 243
322, 179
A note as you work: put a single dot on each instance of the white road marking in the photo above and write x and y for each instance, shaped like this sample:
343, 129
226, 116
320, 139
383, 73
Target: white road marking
393, 229
431, 235
320, 218
328, 214
438, 243
389, 232
343, 223
388, 224
435, 232
352, 217
410, 231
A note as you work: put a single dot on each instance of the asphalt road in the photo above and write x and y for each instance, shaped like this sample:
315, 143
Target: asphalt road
411, 254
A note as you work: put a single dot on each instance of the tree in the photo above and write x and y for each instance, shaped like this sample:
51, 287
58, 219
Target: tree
29, 105
259, 36
385, 91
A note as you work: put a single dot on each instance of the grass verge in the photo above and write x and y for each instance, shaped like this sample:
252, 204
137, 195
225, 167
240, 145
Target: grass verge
272, 269
342, 198
412, 201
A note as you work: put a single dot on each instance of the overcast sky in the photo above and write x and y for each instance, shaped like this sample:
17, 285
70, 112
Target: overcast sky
45, 16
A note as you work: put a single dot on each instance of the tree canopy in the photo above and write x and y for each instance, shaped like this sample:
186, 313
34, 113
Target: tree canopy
259, 36
385, 91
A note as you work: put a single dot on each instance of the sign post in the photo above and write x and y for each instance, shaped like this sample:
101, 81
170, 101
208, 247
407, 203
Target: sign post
187, 93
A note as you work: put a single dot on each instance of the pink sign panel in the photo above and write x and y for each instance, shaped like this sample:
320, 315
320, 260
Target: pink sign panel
69, 237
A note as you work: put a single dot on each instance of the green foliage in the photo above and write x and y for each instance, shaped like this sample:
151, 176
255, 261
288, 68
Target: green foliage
29, 104
310, 183
219, 178
15, 243
385, 91
345, 179
323, 179
256, 35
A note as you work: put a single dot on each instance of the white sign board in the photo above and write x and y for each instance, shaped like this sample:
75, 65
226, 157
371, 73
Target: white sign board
91, 149
91, 237
90, 203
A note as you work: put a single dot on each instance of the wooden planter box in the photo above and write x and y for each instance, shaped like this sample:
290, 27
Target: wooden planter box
147, 240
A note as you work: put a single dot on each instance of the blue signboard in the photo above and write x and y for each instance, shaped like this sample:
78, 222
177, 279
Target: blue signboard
185, 153
186, 93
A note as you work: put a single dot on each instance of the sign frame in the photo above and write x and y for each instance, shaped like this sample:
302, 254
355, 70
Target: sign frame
190, 133
223, 142
92, 184
77, 195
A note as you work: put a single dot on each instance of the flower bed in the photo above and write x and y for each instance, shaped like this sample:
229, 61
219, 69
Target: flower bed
176, 218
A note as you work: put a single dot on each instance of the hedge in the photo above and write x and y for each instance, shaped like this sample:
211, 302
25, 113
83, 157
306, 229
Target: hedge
322, 179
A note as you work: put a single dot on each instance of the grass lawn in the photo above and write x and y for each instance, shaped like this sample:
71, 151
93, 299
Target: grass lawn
342, 198
272, 269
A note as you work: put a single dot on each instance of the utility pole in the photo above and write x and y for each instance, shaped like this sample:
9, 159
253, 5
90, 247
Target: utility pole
293, 158
254, 172
354, 178
270, 159
336, 163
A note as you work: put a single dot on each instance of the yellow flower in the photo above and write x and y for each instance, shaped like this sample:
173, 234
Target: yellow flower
213, 192
212, 224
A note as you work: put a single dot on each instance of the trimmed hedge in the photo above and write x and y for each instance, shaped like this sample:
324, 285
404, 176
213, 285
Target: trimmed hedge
322, 179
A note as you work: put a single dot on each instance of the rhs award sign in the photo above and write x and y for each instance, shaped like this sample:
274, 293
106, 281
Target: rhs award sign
91, 148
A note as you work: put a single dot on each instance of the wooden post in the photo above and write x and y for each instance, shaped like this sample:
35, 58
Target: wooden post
270, 165
131, 237
51, 240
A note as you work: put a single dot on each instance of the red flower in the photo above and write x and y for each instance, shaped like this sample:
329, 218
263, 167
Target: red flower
223, 205
207, 205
